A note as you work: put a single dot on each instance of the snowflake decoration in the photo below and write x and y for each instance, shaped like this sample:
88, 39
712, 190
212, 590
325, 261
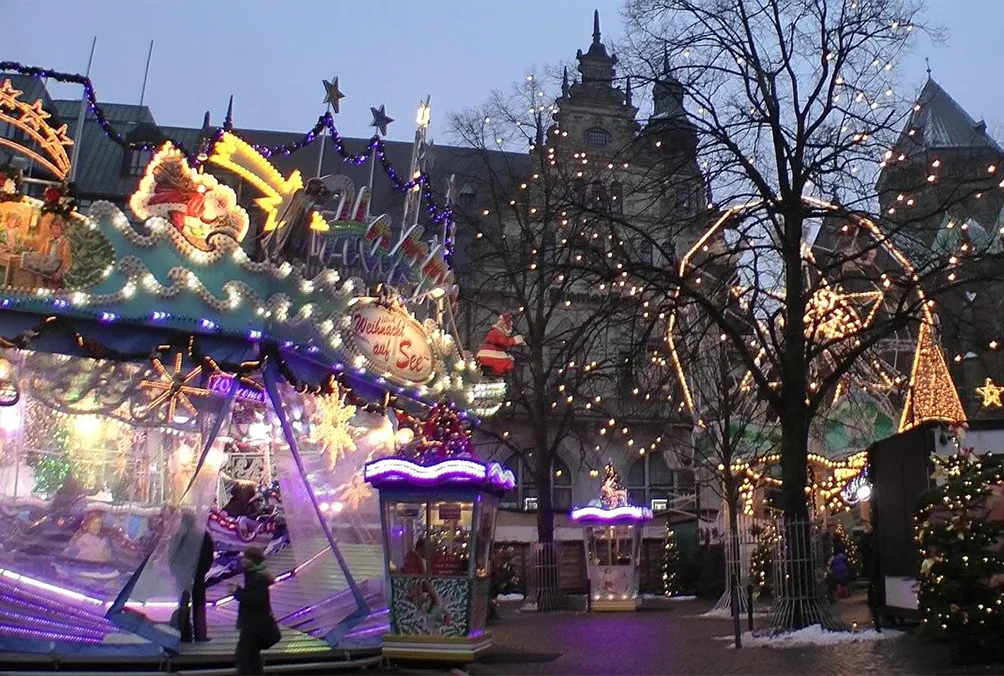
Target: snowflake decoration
330, 427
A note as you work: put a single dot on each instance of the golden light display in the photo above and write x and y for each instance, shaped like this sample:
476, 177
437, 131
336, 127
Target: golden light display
991, 394
932, 395
331, 427
30, 120
279, 194
173, 388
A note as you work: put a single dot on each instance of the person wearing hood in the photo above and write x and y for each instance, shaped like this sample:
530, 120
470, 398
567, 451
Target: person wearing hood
257, 625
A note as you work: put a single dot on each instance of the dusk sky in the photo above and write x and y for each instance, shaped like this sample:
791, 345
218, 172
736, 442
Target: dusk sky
272, 56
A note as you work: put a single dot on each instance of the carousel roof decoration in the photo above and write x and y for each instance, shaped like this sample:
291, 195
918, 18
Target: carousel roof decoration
438, 452
613, 507
187, 269
45, 144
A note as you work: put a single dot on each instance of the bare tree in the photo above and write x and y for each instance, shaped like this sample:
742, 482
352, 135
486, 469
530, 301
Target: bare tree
816, 291
580, 343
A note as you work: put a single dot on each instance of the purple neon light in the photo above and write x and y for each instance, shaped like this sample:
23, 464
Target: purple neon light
453, 471
625, 514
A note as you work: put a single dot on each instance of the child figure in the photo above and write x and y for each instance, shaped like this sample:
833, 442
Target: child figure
840, 568
88, 544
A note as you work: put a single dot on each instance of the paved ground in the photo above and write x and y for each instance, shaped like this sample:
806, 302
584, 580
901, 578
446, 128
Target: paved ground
677, 641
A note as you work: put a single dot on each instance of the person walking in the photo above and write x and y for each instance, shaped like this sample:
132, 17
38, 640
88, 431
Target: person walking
206, 555
257, 625
840, 567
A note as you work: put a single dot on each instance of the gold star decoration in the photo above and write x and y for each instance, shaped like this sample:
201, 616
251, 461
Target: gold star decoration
991, 394
48, 145
172, 387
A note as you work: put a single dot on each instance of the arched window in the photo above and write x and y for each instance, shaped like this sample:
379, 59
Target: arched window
653, 484
597, 137
617, 197
524, 497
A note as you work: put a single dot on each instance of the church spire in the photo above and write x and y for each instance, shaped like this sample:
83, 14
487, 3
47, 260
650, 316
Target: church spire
596, 27
627, 92
228, 121
564, 82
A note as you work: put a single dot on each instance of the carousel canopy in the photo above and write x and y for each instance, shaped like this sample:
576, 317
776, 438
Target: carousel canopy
320, 284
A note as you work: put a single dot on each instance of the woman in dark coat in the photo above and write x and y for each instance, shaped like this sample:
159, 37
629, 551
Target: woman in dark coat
254, 613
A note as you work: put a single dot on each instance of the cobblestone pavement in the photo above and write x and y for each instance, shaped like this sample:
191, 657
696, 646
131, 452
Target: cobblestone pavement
678, 641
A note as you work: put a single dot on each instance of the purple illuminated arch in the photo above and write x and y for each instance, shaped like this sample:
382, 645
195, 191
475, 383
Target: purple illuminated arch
627, 514
451, 472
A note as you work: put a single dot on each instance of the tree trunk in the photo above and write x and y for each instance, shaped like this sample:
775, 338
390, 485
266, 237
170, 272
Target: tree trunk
794, 418
548, 585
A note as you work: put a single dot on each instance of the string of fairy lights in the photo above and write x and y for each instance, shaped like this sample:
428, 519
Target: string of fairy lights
831, 488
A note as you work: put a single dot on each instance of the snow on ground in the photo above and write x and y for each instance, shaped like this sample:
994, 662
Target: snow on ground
669, 598
509, 597
726, 614
814, 635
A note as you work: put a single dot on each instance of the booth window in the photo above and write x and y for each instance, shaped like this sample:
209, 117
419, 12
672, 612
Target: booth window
652, 483
524, 496
429, 538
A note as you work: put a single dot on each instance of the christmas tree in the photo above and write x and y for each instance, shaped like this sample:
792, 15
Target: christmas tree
506, 572
443, 434
844, 542
670, 561
92, 255
961, 569
762, 559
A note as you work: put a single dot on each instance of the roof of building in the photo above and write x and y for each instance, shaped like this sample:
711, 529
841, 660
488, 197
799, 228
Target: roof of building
100, 160
939, 122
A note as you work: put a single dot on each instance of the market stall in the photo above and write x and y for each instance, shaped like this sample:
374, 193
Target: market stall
612, 533
439, 509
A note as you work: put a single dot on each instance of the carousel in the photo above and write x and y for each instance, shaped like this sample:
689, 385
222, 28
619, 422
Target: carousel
171, 372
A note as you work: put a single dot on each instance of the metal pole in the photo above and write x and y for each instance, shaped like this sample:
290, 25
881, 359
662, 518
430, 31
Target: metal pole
146, 74
737, 625
749, 606
80, 117
320, 153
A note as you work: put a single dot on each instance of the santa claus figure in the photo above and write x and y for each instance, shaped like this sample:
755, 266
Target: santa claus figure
494, 354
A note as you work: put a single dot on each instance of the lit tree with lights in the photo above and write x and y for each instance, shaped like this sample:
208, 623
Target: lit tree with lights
795, 110
582, 347
670, 562
962, 567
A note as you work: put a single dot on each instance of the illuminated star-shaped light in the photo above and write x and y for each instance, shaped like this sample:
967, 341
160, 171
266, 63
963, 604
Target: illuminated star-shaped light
380, 119
7, 90
991, 394
333, 94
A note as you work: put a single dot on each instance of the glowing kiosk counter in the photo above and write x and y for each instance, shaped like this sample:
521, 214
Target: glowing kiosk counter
612, 538
438, 523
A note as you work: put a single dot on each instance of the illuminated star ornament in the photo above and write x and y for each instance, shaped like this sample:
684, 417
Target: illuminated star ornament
380, 119
333, 94
991, 394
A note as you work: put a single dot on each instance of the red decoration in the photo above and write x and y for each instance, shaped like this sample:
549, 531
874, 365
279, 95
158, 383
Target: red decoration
494, 354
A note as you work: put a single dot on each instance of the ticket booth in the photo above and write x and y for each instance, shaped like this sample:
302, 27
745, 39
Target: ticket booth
438, 526
612, 538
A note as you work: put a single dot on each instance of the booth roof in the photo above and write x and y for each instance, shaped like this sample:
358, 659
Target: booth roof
626, 514
446, 473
